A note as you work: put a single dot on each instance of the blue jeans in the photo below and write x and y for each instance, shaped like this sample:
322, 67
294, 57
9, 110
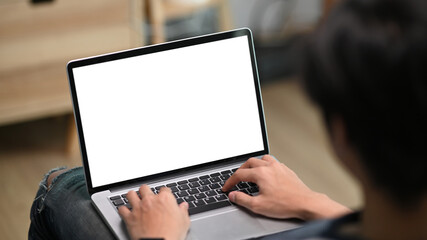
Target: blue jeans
64, 210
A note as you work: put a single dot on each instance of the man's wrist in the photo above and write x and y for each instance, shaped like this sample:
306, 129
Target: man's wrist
320, 206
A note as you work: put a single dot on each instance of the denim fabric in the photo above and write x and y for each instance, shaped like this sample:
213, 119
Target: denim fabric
64, 210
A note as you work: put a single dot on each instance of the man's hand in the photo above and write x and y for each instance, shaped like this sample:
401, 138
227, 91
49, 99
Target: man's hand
281, 193
155, 216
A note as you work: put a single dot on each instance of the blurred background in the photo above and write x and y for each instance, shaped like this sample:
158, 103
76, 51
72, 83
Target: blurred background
39, 37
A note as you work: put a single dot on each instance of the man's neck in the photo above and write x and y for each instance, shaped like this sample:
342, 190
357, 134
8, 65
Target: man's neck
383, 219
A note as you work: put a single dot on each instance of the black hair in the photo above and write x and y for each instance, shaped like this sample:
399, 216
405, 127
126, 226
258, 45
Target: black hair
367, 63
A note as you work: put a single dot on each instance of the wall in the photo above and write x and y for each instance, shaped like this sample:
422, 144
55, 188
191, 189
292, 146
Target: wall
267, 16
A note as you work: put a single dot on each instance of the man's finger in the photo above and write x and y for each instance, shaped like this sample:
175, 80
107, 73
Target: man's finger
253, 162
184, 207
269, 158
241, 175
124, 213
165, 189
133, 198
241, 199
145, 190
166, 193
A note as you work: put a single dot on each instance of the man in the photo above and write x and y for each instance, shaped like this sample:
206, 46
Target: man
365, 69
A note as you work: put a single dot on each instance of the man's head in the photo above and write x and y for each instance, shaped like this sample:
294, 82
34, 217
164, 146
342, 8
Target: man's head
367, 65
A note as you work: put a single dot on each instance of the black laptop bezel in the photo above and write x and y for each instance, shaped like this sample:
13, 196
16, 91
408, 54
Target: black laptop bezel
153, 49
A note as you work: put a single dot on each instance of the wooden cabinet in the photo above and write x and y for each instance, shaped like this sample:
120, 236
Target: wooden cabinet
37, 41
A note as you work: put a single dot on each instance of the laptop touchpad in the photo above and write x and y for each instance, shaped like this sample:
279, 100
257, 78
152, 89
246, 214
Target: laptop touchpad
228, 225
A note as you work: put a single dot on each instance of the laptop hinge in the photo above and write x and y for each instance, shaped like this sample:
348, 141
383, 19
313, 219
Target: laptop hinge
174, 176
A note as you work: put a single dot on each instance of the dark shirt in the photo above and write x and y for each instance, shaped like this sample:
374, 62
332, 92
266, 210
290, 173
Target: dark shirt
343, 228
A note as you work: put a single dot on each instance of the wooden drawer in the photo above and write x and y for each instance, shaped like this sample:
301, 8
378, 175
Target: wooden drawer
60, 31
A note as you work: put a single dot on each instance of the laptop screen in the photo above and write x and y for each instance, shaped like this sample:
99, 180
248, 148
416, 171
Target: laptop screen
168, 110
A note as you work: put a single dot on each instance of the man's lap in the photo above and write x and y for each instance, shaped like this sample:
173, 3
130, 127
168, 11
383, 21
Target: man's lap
64, 210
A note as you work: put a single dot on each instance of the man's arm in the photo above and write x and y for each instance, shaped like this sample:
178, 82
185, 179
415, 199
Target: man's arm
282, 194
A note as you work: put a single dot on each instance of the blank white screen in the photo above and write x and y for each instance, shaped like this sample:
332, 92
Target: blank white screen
168, 110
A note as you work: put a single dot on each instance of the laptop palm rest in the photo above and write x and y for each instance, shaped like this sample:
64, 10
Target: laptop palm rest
235, 224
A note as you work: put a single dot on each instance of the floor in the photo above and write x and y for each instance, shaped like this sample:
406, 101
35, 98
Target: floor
295, 132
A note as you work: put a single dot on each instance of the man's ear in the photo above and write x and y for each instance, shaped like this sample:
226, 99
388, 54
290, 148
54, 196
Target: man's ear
344, 149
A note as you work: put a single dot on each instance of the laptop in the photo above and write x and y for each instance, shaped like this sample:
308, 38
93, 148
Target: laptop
183, 114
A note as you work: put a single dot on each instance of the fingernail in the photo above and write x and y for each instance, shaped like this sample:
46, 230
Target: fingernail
232, 196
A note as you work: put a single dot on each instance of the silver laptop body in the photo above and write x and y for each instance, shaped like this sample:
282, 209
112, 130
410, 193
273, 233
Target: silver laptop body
166, 113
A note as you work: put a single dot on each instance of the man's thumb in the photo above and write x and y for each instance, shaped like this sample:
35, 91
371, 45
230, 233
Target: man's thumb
240, 198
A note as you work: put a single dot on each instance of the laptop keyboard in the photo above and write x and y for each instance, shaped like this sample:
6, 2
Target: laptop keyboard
202, 193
